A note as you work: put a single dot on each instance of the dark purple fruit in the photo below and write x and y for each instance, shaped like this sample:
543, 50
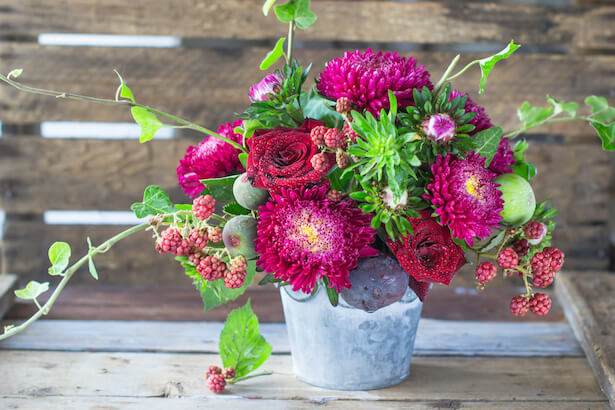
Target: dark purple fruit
376, 283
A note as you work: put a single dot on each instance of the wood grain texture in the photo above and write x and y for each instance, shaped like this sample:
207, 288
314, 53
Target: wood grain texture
8, 284
181, 375
589, 304
434, 337
383, 21
209, 85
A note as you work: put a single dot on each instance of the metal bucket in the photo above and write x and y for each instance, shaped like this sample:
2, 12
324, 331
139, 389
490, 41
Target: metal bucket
344, 348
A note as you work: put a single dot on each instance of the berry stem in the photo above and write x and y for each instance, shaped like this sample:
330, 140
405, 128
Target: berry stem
250, 376
43, 310
445, 77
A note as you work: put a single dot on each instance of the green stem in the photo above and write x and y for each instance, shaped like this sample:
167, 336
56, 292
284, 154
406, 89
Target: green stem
444, 77
291, 38
250, 376
125, 103
463, 70
67, 275
550, 120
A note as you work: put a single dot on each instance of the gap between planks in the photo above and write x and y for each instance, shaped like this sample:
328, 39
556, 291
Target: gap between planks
434, 337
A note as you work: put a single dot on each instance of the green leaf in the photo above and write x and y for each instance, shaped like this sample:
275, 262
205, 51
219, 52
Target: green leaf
214, 293
221, 188
241, 344
273, 55
59, 256
606, 134
494, 241
155, 201
123, 90
243, 158
487, 142
267, 6
486, 64
33, 290
524, 169
235, 209
331, 293
531, 116
91, 266
269, 278
148, 122
297, 10
15, 73
319, 108
600, 105
569, 108
183, 207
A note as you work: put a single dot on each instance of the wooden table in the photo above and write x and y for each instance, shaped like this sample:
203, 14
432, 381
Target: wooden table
118, 364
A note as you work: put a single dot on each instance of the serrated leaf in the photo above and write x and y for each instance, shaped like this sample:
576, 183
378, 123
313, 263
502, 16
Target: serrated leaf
221, 188
569, 108
59, 256
486, 64
91, 266
267, 6
148, 122
155, 202
33, 290
273, 55
123, 90
235, 209
241, 344
214, 293
487, 142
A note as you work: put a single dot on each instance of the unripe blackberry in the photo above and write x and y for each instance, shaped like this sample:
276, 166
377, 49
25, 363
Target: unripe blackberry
211, 268
342, 158
541, 265
557, 258
335, 196
540, 304
519, 306
195, 256
317, 134
239, 263
234, 279
198, 238
507, 258
521, 247
334, 138
542, 278
534, 231
211, 370
485, 272
319, 162
203, 206
214, 233
349, 133
171, 241
229, 373
216, 383
343, 105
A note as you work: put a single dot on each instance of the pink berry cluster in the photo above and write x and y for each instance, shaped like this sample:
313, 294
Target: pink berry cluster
529, 259
216, 378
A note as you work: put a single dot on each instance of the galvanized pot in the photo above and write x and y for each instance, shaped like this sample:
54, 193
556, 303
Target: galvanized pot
344, 348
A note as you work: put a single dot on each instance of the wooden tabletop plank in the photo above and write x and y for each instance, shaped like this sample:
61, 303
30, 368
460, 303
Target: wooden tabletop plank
589, 305
162, 374
434, 338
8, 283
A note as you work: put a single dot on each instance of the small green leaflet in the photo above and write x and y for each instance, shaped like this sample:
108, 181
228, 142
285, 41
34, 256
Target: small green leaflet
148, 122
241, 344
123, 90
487, 142
273, 55
532, 116
59, 256
569, 108
91, 266
486, 64
155, 201
33, 290
220, 188
235, 209
15, 73
600, 105
297, 10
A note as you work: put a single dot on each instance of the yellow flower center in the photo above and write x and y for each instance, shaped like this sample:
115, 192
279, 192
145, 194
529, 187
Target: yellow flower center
472, 186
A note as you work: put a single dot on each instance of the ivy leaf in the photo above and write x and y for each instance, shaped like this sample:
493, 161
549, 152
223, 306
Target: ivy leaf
33, 290
220, 188
148, 122
486, 64
267, 6
606, 134
600, 105
214, 293
241, 344
569, 108
123, 90
235, 209
155, 201
91, 266
273, 55
487, 142
531, 116
59, 256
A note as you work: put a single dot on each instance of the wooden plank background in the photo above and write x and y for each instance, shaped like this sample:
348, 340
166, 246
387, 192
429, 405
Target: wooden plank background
568, 52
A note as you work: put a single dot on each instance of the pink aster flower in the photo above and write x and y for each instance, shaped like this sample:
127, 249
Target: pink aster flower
212, 158
439, 127
481, 121
365, 78
465, 196
503, 159
303, 236
268, 85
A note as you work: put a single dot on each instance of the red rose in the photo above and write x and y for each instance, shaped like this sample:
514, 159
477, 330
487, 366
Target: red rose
430, 255
280, 158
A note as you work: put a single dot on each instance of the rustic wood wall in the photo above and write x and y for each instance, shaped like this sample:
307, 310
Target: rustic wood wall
568, 52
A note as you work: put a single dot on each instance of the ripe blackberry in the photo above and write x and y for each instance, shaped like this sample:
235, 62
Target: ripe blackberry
171, 241
349, 133
507, 258
229, 373
335, 196
334, 138
211, 268
540, 304
343, 105
342, 159
234, 279
198, 238
239, 263
521, 247
216, 383
519, 305
212, 370
319, 162
317, 134
214, 233
557, 258
203, 206
485, 272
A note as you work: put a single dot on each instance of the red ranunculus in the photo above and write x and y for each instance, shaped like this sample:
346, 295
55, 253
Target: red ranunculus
280, 158
430, 255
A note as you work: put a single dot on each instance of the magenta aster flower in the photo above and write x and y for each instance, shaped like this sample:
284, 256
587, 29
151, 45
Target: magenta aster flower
481, 121
365, 78
268, 85
503, 159
303, 236
439, 127
465, 196
212, 158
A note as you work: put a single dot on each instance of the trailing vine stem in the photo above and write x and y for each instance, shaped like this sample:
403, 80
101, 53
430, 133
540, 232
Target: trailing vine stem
126, 103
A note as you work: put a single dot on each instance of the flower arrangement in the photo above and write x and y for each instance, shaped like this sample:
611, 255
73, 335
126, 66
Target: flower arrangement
310, 184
